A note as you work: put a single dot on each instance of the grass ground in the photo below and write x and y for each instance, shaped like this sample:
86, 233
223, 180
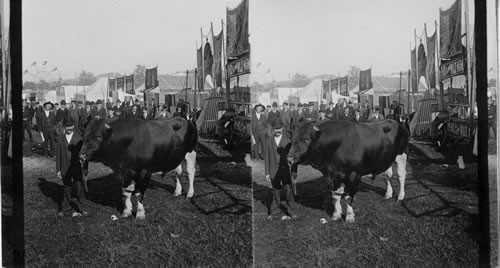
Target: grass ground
213, 228
436, 225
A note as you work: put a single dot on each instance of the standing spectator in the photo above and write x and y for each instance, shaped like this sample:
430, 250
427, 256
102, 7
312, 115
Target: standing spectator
295, 117
153, 107
331, 112
133, 113
62, 112
322, 117
266, 112
179, 112
274, 114
39, 111
286, 119
48, 124
258, 128
27, 121
74, 111
314, 113
346, 116
376, 116
492, 119
164, 113
357, 116
306, 114
300, 110
68, 166
277, 171
101, 111
85, 115
146, 115
391, 115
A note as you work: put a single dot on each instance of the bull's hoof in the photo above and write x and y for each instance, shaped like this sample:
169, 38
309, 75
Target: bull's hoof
177, 194
188, 198
349, 219
387, 196
140, 217
336, 217
399, 200
126, 214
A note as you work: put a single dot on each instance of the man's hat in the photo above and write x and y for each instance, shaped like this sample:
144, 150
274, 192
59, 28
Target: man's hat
63, 102
292, 104
87, 103
275, 104
68, 121
331, 102
164, 107
99, 102
56, 104
73, 101
259, 105
322, 111
285, 103
357, 110
377, 108
299, 105
118, 101
277, 124
92, 103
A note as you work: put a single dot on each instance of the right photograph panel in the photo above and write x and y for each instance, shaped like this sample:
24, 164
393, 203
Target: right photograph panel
363, 132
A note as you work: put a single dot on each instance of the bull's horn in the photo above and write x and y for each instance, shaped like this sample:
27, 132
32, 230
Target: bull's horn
106, 125
315, 128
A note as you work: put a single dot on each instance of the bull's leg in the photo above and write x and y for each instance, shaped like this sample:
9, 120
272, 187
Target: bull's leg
142, 185
191, 170
127, 194
349, 218
178, 186
388, 174
337, 207
401, 162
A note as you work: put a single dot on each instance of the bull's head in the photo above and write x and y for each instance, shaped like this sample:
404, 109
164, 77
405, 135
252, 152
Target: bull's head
304, 138
96, 134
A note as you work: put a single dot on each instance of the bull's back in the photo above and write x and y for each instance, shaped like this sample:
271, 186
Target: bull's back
365, 147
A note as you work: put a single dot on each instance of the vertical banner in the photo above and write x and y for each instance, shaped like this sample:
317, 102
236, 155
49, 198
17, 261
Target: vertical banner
151, 80
237, 30
344, 88
217, 59
111, 86
450, 31
365, 80
120, 83
422, 62
129, 84
326, 88
431, 61
334, 85
414, 80
199, 57
207, 61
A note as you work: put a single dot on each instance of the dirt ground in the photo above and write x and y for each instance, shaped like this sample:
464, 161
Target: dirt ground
436, 225
213, 228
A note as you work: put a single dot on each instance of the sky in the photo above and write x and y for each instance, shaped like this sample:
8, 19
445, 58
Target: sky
102, 36
327, 37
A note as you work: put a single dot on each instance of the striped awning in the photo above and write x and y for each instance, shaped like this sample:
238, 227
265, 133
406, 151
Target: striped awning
420, 125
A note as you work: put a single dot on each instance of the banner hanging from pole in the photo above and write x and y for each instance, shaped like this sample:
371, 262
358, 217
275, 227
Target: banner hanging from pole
129, 84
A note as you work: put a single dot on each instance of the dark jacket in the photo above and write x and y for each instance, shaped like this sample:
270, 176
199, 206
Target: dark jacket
275, 155
47, 123
258, 125
67, 154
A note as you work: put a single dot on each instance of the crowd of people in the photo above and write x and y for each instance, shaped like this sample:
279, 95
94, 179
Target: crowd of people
271, 134
47, 118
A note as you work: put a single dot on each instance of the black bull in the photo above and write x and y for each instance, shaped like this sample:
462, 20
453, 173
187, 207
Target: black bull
344, 151
134, 149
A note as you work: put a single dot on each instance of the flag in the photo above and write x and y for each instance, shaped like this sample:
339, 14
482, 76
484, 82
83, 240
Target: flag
111, 86
365, 80
237, 30
129, 84
151, 78
334, 85
199, 58
450, 30
120, 83
431, 61
34, 63
208, 60
414, 70
422, 55
344, 86
217, 58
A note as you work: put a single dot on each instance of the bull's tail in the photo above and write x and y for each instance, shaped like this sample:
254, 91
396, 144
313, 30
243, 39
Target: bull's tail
404, 140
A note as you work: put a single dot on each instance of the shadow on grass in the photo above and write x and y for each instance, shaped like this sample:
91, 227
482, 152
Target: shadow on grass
52, 190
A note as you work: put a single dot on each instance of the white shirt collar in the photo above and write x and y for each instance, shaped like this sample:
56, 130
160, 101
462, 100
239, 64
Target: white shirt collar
258, 116
47, 112
278, 139
68, 137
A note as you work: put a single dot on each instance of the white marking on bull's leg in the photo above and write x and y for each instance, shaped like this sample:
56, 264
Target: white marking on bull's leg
337, 208
349, 218
178, 186
388, 172
127, 211
388, 193
191, 170
141, 213
401, 162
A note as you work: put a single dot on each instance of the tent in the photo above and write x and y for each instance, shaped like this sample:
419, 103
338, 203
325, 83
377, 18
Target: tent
96, 91
264, 99
311, 92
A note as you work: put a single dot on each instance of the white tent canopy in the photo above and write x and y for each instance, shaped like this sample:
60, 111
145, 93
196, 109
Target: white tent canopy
311, 92
96, 91
264, 99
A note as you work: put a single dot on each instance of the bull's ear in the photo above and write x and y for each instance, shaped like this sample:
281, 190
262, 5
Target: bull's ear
316, 128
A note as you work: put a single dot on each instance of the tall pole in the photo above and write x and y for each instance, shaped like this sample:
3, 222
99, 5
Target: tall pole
187, 73
400, 77
409, 88
195, 86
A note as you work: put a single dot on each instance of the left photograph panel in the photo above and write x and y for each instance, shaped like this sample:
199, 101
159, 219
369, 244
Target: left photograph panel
136, 133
